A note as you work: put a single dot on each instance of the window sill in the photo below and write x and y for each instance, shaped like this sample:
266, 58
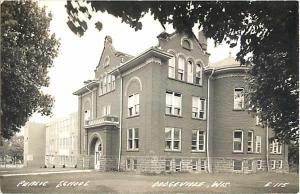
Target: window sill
276, 153
182, 81
173, 151
133, 116
179, 116
132, 150
199, 119
107, 92
198, 151
238, 152
238, 109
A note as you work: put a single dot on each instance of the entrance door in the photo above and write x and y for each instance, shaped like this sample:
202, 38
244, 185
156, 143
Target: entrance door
98, 154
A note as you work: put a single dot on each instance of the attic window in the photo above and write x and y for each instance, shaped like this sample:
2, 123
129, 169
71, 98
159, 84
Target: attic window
187, 44
106, 61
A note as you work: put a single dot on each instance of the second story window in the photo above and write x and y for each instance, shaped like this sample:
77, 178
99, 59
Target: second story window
133, 105
250, 141
190, 66
113, 82
238, 99
258, 144
198, 74
199, 108
275, 147
172, 139
173, 103
181, 64
133, 139
106, 110
198, 140
238, 141
172, 67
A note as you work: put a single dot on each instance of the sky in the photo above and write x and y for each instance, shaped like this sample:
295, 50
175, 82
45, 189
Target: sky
79, 56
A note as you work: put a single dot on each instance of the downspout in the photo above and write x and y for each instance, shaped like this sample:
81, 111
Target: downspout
208, 121
120, 121
92, 114
267, 145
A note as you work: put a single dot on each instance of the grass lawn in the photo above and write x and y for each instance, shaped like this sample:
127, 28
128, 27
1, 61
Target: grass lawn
130, 182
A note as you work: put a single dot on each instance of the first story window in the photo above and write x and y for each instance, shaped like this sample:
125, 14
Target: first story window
238, 141
250, 141
128, 164
172, 139
258, 144
134, 164
177, 165
133, 105
173, 103
198, 108
259, 164
250, 164
273, 164
198, 140
237, 164
202, 165
275, 147
238, 99
168, 165
133, 139
280, 164
194, 165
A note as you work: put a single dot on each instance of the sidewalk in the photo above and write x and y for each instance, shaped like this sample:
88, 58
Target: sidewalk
37, 171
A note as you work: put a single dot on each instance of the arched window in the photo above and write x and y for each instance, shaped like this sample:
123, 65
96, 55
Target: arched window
181, 64
186, 43
190, 71
199, 74
172, 67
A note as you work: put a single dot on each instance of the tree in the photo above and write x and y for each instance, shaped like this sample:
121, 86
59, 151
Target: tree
27, 52
16, 147
268, 35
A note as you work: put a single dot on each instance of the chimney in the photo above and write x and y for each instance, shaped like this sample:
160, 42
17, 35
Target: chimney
202, 40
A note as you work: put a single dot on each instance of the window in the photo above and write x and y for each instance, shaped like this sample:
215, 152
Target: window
133, 139
198, 74
128, 164
172, 139
250, 141
199, 108
106, 61
237, 164
168, 165
104, 84
280, 164
249, 164
181, 64
275, 147
113, 82
185, 43
238, 141
133, 105
172, 62
258, 117
194, 165
100, 87
190, 66
198, 140
238, 99
106, 110
202, 165
173, 103
177, 165
259, 164
134, 164
258, 144
273, 162
87, 115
